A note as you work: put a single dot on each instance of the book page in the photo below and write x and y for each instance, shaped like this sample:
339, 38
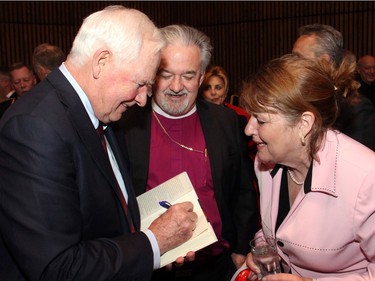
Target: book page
171, 190
176, 190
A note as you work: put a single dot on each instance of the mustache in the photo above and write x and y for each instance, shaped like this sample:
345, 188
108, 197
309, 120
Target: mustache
180, 93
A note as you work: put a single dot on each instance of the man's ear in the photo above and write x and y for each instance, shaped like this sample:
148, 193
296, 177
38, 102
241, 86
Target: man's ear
43, 71
201, 78
99, 61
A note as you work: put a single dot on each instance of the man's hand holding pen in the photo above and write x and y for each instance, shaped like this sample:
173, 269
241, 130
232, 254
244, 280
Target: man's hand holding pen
175, 226
190, 256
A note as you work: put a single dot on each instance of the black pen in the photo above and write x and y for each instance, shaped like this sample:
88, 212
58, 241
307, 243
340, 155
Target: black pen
165, 204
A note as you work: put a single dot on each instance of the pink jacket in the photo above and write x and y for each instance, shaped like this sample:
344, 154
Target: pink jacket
329, 233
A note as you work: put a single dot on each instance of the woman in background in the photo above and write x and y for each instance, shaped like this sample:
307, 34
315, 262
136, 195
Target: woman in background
215, 88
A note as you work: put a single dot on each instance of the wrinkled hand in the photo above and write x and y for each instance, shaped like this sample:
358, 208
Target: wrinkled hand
175, 226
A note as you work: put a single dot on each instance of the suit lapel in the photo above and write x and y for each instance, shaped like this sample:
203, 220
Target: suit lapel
213, 143
137, 129
85, 130
91, 140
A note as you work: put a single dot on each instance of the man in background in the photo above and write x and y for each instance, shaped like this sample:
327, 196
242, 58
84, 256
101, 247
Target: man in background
357, 114
366, 76
46, 57
67, 207
23, 78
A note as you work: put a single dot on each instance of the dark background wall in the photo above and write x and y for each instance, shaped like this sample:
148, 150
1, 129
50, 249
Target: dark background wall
245, 34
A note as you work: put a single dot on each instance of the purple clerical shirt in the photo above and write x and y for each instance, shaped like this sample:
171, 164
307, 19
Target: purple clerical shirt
168, 159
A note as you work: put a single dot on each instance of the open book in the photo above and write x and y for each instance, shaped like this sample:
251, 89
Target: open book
175, 190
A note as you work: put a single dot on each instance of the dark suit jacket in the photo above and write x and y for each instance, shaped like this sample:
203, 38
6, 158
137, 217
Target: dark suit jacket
358, 121
232, 172
60, 216
4, 106
366, 89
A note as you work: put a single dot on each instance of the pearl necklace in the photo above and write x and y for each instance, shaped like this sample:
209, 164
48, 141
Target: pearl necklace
290, 173
176, 142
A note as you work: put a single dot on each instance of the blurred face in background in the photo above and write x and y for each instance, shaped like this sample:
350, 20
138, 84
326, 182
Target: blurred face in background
178, 79
5, 86
366, 69
305, 46
23, 80
214, 91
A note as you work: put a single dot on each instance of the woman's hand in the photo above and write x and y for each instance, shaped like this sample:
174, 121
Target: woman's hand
253, 267
272, 277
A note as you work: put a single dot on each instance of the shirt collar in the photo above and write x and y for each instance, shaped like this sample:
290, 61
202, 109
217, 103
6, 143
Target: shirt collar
10, 94
82, 95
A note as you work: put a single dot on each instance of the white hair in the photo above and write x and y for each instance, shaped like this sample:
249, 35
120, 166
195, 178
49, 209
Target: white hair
120, 29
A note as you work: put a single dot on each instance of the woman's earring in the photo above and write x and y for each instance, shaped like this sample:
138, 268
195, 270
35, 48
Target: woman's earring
303, 141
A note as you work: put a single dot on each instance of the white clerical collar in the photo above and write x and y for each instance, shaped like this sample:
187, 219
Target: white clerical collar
158, 110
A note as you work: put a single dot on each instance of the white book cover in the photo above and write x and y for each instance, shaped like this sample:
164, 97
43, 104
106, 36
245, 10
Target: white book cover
176, 190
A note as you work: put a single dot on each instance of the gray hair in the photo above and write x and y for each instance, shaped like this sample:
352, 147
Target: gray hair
189, 36
329, 41
118, 28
